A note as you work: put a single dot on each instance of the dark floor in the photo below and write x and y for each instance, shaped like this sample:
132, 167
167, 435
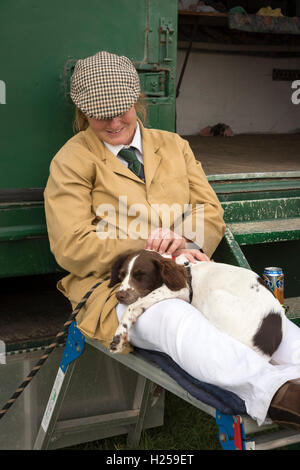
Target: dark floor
247, 153
32, 309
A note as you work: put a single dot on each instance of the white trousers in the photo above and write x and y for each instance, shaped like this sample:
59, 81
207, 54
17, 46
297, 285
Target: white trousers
178, 329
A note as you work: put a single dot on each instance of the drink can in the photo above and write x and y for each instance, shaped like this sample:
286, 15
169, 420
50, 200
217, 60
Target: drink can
274, 279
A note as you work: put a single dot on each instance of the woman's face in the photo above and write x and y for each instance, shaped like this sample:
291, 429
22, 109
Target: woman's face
115, 131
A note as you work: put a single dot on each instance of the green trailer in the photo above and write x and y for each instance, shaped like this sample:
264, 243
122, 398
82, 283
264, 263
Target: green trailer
44, 39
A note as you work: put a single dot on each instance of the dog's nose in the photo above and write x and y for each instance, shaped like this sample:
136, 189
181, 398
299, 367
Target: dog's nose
121, 295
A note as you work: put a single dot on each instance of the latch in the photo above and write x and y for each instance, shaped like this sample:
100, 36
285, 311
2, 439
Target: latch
166, 30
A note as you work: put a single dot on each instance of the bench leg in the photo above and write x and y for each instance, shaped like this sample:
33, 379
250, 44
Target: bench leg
140, 402
53, 408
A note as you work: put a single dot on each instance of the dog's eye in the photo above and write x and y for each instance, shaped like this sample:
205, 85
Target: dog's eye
138, 275
122, 274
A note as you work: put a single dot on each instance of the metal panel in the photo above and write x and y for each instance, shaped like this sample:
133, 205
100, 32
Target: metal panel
100, 386
43, 37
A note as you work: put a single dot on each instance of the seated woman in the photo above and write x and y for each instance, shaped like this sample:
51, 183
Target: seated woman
109, 190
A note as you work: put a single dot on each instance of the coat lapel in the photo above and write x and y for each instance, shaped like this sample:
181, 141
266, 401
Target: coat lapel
115, 165
118, 167
151, 155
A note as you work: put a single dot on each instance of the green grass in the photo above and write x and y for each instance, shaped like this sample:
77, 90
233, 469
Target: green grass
185, 428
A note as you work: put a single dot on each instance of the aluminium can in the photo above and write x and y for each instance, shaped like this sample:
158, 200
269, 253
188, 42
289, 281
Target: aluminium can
274, 279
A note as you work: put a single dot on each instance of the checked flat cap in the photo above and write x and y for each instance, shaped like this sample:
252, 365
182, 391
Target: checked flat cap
104, 85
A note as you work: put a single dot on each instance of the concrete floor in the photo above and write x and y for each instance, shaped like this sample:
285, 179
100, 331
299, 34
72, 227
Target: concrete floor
247, 153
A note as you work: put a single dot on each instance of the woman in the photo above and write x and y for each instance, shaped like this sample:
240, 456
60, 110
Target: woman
101, 201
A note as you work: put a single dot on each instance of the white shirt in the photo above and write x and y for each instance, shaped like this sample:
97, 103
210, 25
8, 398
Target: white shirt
136, 142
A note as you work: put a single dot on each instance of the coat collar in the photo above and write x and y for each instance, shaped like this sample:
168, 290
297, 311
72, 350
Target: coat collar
151, 155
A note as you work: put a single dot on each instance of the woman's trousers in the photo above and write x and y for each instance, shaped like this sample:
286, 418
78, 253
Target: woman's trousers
178, 329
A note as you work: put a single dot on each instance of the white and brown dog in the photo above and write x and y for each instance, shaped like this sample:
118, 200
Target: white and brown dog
236, 300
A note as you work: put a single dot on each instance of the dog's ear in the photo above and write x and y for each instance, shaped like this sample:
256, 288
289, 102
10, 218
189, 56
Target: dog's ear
172, 274
114, 277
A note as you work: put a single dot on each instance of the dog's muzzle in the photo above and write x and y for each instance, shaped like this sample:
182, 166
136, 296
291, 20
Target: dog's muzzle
126, 296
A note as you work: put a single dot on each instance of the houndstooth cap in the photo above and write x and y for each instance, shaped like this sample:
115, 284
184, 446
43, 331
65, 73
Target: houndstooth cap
104, 85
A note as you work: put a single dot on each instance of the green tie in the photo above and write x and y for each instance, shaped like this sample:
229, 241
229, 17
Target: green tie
133, 163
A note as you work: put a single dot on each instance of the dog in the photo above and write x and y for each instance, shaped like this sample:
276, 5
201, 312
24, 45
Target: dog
236, 300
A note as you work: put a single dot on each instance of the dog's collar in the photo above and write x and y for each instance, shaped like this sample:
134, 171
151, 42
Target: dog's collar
189, 280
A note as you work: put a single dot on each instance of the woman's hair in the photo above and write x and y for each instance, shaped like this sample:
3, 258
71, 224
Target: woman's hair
80, 122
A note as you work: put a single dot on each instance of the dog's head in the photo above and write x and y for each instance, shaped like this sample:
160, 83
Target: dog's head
142, 272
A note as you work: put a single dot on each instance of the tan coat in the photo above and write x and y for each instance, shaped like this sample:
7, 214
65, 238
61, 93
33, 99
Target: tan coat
84, 175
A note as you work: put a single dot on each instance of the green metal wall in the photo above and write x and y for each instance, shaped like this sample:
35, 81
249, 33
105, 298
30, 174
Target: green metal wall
42, 39
40, 42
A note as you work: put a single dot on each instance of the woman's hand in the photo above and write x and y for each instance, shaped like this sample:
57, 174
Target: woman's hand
165, 241
192, 254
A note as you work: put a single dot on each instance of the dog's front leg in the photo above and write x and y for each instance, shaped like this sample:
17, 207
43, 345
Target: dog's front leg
137, 308
121, 334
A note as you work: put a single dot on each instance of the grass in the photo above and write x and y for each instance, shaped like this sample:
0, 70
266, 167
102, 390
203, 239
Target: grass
185, 428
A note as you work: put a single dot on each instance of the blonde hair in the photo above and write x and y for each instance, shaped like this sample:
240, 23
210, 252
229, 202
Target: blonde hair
80, 122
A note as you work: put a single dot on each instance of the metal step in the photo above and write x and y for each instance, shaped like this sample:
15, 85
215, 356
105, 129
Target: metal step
276, 440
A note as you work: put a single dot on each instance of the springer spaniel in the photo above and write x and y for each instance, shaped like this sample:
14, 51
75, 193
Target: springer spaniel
236, 300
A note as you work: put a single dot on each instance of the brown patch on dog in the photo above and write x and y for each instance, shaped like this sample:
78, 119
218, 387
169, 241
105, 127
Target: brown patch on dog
149, 272
269, 335
119, 268
172, 274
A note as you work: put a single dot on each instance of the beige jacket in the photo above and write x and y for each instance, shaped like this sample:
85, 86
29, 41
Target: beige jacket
84, 176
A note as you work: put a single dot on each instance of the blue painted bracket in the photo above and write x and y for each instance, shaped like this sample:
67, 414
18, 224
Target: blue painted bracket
231, 432
74, 346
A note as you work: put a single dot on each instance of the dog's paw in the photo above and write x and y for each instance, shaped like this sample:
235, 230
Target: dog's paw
114, 345
119, 340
